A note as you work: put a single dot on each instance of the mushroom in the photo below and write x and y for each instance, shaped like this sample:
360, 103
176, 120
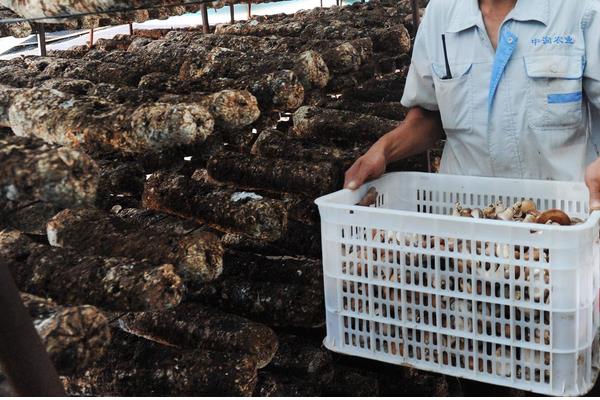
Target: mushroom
528, 206
457, 210
490, 212
507, 215
466, 212
369, 199
477, 213
530, 217
554, 216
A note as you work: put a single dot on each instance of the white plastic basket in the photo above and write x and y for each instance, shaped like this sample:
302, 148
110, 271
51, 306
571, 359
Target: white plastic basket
507, 303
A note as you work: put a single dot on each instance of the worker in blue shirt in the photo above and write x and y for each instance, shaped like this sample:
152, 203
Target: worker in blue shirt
515, 86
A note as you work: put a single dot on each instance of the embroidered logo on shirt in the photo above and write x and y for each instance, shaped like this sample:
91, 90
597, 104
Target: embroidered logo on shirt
565, 40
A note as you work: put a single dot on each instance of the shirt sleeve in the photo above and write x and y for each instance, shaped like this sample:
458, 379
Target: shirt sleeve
591, 34
419, 89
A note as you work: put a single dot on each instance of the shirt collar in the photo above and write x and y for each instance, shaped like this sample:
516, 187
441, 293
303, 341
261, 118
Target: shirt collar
469, 15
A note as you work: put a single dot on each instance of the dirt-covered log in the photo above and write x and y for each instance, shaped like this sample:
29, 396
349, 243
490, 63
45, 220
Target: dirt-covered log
69, 278
32, 170
276, 174
390, 110
275, 304
197, 327
156, 221
299, 357
244, 212
316, 122
27, 217
281, 269
350, 382
99, 126
272, 143
75, 337
387, 88
272, 384
135, 366
197, 256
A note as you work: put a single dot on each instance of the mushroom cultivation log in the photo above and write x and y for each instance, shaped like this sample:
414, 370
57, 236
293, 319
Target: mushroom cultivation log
27, 217
272, 143
99, 126
254, 215
135, 366
197, 327
387, 88
32, 170
197, 256
320, 123
272, 384
276, 174
96, 125
156, 221
46, 8
282, 269
390, 110
298, 357
64, 275
74, 337
275, 304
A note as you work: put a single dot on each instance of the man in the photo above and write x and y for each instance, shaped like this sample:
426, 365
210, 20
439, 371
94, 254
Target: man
515, 87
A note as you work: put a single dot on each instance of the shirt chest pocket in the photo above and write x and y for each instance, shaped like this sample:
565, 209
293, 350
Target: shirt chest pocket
454, 96
555, 93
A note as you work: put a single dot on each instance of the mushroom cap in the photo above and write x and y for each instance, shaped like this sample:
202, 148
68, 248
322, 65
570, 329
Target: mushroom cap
554, 215
528, 206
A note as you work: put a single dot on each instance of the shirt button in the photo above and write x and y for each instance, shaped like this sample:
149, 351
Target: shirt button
510, 40
554, 69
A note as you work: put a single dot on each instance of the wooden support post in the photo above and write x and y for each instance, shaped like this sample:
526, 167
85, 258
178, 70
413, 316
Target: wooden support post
416, 14
131, 29
91, 38
204, 12
232, 13
41, 39
22, 355
249, 9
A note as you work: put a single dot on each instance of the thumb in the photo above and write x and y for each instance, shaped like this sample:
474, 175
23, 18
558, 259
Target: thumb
357, 178
593, 183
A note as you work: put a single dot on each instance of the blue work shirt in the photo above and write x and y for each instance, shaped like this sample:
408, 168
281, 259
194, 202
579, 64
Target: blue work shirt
524, 110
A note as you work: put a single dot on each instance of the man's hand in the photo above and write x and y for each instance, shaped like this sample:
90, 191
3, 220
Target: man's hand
370, 166
592, 180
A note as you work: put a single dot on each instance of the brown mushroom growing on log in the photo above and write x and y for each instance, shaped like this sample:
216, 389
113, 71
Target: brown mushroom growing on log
75, 337
197, 256
64, 275
197, 327
31, 170
135, 366
319, 123
245, 212
290, 176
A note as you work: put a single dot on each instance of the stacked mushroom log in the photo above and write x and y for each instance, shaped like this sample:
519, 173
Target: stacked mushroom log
157, 201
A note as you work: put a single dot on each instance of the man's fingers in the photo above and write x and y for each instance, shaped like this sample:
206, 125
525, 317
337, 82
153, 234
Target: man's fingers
356, 176
592, 180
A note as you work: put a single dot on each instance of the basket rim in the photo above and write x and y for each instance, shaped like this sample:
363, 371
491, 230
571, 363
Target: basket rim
327, 201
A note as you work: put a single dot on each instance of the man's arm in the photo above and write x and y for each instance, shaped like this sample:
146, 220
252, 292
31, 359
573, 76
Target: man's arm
418, 133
